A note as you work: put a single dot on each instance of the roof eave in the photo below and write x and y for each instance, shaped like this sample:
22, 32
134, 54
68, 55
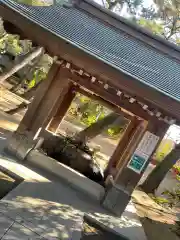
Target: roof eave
132, 29
88, 62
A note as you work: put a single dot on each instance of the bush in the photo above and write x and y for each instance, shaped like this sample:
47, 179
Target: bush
176, 170
173, 197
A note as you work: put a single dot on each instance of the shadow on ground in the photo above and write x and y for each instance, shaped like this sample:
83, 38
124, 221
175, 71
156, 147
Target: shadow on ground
51, 210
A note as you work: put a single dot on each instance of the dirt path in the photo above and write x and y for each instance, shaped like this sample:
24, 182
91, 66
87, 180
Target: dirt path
158, 223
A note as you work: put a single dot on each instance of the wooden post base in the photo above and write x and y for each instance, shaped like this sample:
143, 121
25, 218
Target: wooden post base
116, 199
20, 144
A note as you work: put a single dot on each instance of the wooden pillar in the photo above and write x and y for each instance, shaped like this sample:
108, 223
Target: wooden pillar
128, 178
48, 97
119, 194
22, 141
43, 107
62, 109
116, 156
48, 106
26, 122
125, 176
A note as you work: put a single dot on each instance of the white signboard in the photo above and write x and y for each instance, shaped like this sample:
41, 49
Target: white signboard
143, 152
148, 143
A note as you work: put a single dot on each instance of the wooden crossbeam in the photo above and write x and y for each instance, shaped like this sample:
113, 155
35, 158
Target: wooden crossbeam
111, 98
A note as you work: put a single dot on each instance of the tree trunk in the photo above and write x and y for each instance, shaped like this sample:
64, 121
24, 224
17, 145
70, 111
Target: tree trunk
157, 175
20, 65
97, 127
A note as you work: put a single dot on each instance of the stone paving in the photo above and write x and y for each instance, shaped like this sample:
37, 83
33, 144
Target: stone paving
44, 207
12, 230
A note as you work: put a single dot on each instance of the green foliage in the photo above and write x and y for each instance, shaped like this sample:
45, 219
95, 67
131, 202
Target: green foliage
161, 200
173, 197
151, 25
89, 119
164, 148
89, 110
149, 13
114, 130
169, 198
176, 169
11, 44
169, 14
38, 76
161, 18
36, 2
130, 5
41, 70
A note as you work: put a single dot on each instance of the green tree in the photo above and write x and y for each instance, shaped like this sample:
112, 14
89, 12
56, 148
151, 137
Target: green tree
36, 2
162, 18
97, 118
151, 25
149, 13
13, 50
169, 12
131, 5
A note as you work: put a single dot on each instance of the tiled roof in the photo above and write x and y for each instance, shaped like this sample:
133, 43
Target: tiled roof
108, 43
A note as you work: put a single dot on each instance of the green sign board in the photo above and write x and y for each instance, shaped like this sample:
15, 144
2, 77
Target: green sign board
137, 162
143, 152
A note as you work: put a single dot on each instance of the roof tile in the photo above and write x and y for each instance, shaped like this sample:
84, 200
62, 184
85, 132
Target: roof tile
111, 45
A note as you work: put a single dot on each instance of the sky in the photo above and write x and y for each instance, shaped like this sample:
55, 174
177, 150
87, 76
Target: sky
147, 3
173, 133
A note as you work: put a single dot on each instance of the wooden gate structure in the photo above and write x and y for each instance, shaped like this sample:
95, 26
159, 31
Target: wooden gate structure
107, 58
